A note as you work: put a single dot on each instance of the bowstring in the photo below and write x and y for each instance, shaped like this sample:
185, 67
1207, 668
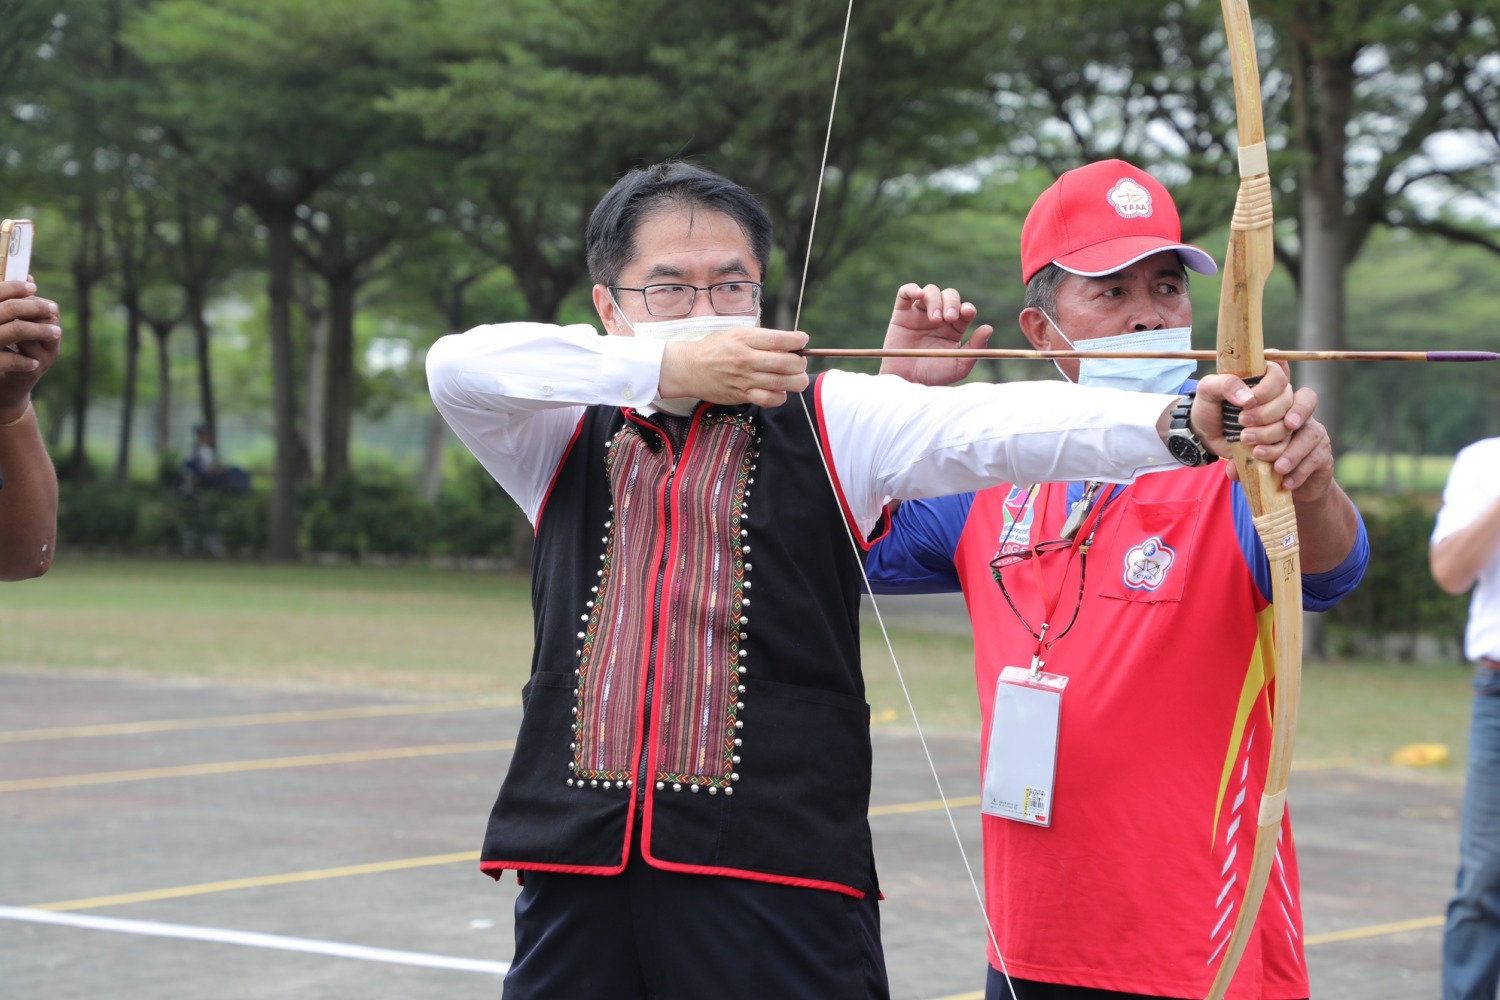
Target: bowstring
854, 542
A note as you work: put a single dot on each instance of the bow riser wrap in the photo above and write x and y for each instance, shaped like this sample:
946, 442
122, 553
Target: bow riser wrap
1241, 351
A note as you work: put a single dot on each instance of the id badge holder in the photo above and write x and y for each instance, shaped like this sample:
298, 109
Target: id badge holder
1021, 764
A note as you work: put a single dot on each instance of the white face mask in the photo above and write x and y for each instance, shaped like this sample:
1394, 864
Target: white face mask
688, 328
1135, 374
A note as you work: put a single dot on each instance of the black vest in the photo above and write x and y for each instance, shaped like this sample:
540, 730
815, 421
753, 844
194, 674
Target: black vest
708, 587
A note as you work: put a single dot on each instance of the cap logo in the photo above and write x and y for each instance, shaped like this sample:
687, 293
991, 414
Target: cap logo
1129, 199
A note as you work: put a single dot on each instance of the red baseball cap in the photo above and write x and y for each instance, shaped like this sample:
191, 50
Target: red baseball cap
1102, 218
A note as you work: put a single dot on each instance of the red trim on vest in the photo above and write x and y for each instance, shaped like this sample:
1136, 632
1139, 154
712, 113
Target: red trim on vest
882, 528
749, 876
557, 472
494, 869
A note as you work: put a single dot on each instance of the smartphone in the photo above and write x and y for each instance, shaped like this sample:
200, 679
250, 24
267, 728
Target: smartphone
16, 236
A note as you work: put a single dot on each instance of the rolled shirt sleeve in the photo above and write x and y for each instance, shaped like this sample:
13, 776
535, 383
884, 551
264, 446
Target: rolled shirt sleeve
892, 439
514, 393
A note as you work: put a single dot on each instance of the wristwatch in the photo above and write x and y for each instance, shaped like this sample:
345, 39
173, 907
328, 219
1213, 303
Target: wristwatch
1182, 441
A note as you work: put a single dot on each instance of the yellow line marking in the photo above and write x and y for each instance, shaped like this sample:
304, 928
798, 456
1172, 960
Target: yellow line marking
236, 766
902, 808
376, 868
1375, 930
263, 719
257, 882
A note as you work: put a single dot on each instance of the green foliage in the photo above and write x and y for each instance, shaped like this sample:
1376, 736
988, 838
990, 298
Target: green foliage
374, 514
98, 515
1398, 603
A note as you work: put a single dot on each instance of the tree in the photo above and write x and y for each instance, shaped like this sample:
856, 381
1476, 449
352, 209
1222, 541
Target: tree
275, 99
348, 227
72, 99
561, 98
1361, 96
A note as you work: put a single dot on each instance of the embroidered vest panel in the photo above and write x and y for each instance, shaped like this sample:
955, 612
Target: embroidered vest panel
682, 556
696, 622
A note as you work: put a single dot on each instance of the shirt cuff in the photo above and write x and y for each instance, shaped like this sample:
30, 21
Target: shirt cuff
630, 370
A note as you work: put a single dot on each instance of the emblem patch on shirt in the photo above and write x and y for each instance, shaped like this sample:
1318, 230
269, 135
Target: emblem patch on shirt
1130, 199
1146, 565
1015, 535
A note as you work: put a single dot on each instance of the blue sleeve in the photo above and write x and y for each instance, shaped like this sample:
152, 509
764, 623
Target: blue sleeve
916, 555
1320, 591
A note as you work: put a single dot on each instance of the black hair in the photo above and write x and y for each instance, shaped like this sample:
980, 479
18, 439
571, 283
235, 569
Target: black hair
610, 238
1041, 290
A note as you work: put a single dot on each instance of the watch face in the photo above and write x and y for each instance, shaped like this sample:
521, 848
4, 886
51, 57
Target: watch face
1185, 449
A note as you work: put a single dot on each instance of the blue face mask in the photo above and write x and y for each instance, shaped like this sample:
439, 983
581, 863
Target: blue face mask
1135, 374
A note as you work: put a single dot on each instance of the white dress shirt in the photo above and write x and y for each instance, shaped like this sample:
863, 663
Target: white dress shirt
515, 392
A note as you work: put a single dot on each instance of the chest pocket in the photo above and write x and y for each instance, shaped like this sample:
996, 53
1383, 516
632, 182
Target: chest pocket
1146, 549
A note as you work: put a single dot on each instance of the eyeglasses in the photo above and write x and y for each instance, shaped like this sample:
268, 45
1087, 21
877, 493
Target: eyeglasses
1005, 560
727, 298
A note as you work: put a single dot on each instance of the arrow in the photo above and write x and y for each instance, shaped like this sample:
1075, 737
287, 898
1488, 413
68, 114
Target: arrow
1271, 354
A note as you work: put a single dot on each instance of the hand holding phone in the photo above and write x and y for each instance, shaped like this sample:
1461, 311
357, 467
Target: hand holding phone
16, 236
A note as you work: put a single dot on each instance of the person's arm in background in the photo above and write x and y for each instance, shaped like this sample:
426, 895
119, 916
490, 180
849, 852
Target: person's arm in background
916, 555
1467, 534
29, 341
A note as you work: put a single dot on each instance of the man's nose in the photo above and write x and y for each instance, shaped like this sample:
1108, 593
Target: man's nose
1146, 316
702, 303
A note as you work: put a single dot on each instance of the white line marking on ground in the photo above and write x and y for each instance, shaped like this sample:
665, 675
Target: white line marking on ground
252, 939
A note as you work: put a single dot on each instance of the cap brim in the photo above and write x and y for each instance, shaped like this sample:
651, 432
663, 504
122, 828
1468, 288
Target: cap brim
1118, 254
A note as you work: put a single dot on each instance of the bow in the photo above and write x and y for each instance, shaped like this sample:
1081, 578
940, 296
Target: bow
1241, 351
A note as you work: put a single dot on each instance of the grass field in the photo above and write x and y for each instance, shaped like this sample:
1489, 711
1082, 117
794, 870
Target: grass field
1363, 471
445, 632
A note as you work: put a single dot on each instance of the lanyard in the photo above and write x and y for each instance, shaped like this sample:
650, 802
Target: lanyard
1082, 539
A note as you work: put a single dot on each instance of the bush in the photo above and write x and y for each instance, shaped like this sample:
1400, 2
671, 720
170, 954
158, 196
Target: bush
375, 513
1398, 605
369, 514
99, 515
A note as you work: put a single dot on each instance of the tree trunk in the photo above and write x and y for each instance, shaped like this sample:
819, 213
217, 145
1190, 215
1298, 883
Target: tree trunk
127, 393
197, 315
1391, 439
289, 451
784, 305
1418, 447
162, 331
314, 366
81, 344
1324, 234
338, 402
431, 482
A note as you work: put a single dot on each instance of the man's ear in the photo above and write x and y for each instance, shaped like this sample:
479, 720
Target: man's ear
609, 313
1038, 331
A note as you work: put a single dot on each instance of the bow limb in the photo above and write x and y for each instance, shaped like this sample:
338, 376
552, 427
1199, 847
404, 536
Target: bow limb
1241, 351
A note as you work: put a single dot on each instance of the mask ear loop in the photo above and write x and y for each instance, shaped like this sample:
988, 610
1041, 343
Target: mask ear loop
1071, 346
619, 310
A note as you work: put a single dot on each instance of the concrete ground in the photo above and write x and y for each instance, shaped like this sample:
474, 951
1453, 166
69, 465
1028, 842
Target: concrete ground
170, 840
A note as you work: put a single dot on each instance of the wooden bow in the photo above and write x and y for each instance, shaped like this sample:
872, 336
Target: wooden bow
1241, 350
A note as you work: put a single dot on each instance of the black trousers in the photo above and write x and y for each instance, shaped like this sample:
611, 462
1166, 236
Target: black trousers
1026, 989
648, 934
